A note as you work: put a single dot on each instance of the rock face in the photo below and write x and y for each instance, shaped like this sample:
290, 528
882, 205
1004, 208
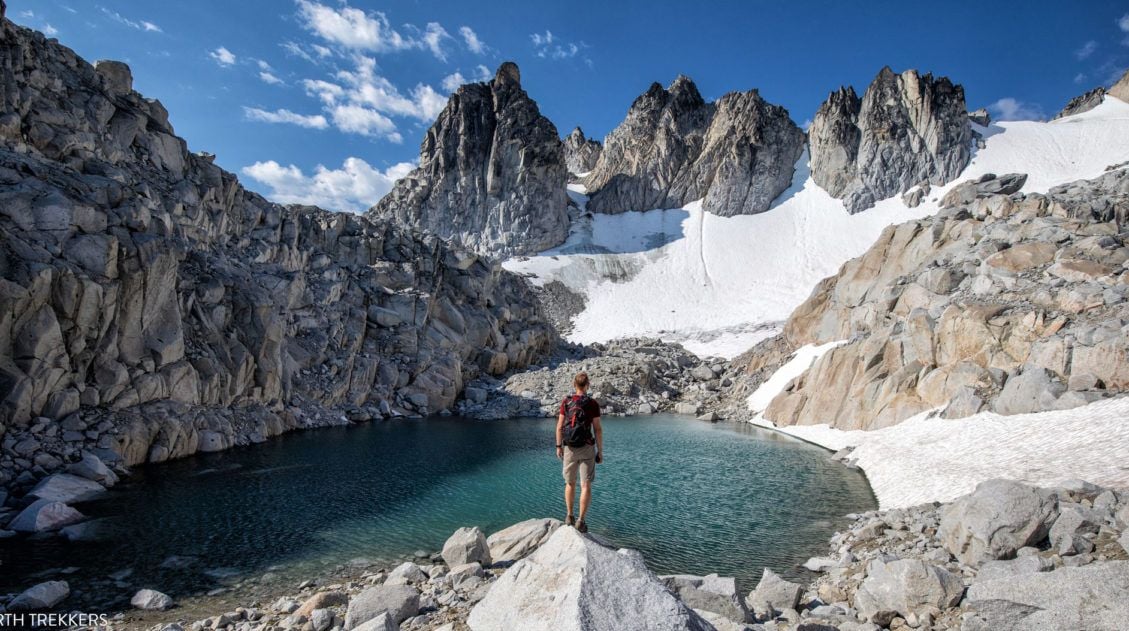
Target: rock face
1011, 303
573, 583
1067, 598
996, 520
737, 154
179, 310
491, 173
581, 154
1082, 103
905, 130
1120, 89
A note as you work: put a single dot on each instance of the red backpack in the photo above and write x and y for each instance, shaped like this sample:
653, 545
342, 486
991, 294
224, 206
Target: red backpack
578, 425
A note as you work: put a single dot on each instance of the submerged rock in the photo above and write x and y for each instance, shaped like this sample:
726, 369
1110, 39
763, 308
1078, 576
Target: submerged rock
572, 583
45, 516
67, 488
42, 596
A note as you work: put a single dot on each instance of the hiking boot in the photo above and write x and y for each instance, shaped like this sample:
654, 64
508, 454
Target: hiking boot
570, 521
581, 526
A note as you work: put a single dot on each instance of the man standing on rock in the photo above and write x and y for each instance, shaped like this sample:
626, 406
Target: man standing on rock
580, 444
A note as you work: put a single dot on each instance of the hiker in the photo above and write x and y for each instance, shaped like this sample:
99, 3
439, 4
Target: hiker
580, 445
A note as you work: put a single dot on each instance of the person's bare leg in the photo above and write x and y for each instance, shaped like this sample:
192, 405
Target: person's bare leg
570, 493
585, 499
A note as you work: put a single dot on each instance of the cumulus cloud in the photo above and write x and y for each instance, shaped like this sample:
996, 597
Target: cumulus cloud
354, 187
315, 121
433, 38
1123, 23
363, 88
222, 56
269, 78
1010, 109
470, 38
50, 31
352, 27
356, 119
1086, 50
452, 81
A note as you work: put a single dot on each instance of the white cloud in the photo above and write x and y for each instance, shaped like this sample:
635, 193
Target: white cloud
50, 31
1010, 109
142, 25
263, 65
356, 119
433, 38
549, 46
269, 78
1079, 78
352, 27
222, 56
296, 49
322, 51
452, 81
1123, 23
430, 102
470, 38
315, 121
27, 15
327, 92
355, 187
363, 87
1086, 50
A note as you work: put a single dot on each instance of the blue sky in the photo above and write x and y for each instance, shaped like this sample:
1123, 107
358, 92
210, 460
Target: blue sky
321, 101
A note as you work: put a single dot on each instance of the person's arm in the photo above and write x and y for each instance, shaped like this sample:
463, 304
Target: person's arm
599, 439
560, 429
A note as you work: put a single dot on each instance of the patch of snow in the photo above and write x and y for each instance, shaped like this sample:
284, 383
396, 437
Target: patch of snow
801, 360
927, 459
718, 285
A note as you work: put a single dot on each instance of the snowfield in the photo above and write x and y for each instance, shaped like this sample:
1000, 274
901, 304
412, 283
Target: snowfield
719, 285
926, 459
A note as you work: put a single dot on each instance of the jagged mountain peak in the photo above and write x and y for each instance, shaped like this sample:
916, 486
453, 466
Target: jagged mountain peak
508, 74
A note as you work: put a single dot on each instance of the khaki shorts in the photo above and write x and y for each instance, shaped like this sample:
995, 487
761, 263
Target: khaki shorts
582, 459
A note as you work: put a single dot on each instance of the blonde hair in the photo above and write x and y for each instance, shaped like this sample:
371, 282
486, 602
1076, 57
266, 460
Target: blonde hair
580, 381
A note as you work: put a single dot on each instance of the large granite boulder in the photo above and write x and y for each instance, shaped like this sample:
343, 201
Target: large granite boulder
1087, 598
581, 154
737, 154
466, 545
151, 600
773, 594
996, 520
905, 586
572, 583
713, 593
905, 130
400, 602
491, 173
521, 539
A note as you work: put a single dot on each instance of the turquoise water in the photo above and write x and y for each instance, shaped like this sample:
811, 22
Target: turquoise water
694, 497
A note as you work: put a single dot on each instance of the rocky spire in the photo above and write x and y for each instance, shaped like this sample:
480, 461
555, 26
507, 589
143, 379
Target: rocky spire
581, 153
1088, 101
491, 173
906, 129
737, 154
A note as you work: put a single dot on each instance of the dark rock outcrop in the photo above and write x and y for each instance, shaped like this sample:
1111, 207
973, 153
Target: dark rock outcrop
905, 130
737, 154
491, 173
151, 306
1082, 103
581, 154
